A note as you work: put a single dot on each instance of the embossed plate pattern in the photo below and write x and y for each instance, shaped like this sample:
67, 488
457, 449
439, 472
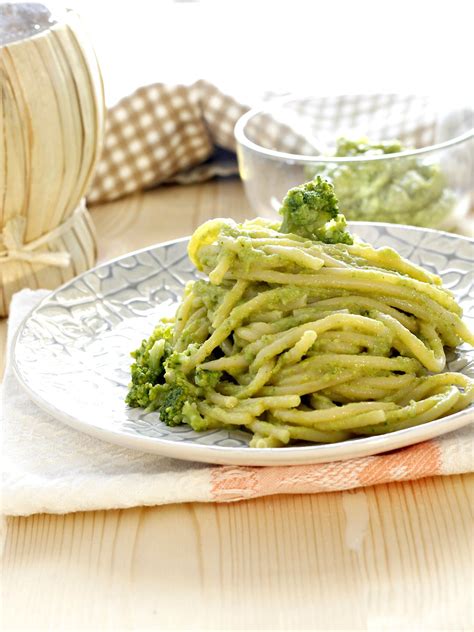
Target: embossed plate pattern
71, 353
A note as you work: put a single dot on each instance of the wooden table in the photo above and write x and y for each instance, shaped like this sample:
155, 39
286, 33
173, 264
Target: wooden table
390, 557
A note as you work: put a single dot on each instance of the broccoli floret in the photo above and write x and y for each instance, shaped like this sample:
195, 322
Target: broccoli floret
148, 369
158, 382
207, 379
179, 403
177, 392
171, 408
311, 210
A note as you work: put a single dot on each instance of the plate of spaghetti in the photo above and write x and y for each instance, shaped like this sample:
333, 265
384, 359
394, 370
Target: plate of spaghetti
299, 340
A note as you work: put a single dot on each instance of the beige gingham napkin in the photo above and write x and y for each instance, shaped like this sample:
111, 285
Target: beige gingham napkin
161, 132
176, 133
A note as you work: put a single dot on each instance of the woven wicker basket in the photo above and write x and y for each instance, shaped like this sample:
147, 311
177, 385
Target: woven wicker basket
51, 126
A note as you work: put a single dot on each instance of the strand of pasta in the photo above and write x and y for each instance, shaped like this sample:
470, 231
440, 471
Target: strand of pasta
433, 360
312, 417
449, 325
230, 301
184, 310
355, 254
243, 252
262, 376
261, 326
227, 347
352, 339
319, 401
355, 303
359, 279
195, 328
255, 405
384, 258
231, 364
374, 417
374, 387
260, 441
295, 255
262, 243
270, 430
300, 433
416, 413
300, 348
292, 374
428, 384
224, 263
317, 383
390, 259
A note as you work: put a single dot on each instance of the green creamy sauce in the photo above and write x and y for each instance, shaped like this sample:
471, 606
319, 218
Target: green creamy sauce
402, 191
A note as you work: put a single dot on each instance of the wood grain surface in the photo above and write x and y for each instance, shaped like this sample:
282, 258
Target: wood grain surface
391, 557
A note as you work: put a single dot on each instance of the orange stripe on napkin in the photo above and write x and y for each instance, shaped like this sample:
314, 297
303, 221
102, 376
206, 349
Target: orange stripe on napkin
238, 483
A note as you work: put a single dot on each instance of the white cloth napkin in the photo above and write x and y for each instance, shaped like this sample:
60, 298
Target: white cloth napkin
49, 467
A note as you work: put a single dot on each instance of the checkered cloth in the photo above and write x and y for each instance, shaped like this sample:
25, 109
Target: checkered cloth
175, 133
163, 133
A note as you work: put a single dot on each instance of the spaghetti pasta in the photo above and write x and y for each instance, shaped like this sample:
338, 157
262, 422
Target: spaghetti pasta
296, 339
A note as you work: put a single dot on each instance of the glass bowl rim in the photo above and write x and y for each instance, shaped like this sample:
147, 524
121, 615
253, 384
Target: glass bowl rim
266, 106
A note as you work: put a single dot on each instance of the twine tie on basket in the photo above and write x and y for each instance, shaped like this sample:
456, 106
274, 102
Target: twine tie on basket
13, 248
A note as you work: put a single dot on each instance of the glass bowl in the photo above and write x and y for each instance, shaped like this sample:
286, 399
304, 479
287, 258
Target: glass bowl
425, 182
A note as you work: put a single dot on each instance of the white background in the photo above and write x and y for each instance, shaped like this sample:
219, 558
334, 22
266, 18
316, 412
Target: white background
311, 46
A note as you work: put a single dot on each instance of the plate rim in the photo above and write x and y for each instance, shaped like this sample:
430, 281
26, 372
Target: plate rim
227, 455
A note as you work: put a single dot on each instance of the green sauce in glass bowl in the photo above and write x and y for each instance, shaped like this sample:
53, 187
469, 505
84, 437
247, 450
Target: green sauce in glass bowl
407, 190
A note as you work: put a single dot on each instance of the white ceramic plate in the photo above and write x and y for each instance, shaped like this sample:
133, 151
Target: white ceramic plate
72, 352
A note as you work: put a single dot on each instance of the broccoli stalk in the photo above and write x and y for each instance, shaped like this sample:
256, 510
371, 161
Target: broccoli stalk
311, 210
